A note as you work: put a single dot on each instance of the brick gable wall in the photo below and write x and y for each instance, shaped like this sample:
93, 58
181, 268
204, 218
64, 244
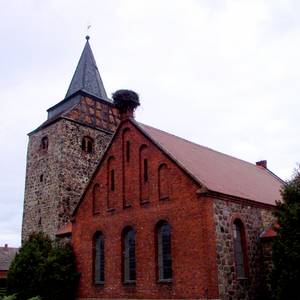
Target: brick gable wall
190, 217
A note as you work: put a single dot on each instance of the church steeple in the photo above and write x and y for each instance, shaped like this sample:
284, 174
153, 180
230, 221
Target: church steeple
87, 77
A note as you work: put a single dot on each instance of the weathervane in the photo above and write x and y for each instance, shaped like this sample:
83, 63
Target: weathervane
87, 31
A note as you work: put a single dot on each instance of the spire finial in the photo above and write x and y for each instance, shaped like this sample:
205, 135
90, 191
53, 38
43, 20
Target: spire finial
87, 37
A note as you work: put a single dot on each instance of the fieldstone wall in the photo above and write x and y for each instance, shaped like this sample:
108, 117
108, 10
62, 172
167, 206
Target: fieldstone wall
56, 177
255, 219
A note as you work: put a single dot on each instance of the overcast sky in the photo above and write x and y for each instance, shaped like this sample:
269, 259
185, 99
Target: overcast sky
224, 74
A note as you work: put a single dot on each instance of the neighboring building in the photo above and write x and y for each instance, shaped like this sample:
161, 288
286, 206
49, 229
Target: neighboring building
64, 151
152, 215
163, 218
7, 254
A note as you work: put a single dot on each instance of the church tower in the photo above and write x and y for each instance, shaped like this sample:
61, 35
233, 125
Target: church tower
64, 151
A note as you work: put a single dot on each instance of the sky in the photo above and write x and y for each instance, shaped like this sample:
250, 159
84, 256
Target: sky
221, 73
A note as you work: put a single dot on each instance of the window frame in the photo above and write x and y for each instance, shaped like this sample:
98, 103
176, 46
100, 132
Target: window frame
99, 281
126, 253
240, 249
160, 260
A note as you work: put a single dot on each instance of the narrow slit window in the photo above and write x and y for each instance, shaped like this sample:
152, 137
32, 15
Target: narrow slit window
87, 144
127, 151
112, 180
44, 143
129, 260
145, 170
164, 252
99, 258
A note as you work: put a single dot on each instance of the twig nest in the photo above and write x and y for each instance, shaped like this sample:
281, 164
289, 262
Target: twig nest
124, 99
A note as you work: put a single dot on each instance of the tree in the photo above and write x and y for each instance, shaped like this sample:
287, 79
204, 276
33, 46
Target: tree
45, 268
286, 247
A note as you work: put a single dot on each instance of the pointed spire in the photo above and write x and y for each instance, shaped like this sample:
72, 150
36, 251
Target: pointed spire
87, 77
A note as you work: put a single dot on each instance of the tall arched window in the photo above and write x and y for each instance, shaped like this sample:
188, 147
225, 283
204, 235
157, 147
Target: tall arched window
129, 262
87, 144
98, 258
164, 257
239, 240
163, 182
96, 199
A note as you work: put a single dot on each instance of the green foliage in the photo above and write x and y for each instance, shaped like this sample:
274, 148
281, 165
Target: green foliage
10, 297
43, 268
286, 247
35, 298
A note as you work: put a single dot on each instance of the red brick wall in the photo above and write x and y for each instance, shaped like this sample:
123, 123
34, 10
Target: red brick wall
190, 216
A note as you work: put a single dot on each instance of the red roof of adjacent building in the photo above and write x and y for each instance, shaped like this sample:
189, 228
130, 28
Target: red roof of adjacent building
269, 232
65, 230
218, 172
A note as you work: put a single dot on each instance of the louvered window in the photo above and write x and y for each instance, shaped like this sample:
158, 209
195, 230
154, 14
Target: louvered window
99, 258
164, 251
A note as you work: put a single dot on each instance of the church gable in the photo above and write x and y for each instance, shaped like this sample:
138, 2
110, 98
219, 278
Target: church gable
133, 172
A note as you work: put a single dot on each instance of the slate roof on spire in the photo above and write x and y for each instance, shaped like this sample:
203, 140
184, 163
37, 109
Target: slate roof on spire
87, 77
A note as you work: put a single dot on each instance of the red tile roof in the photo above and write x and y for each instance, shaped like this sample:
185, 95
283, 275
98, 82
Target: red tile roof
269, 232
65, 230
218, 172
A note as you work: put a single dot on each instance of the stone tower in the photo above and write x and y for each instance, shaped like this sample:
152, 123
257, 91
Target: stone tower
64, 151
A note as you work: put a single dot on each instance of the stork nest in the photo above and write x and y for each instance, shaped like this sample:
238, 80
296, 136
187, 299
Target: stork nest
126, 99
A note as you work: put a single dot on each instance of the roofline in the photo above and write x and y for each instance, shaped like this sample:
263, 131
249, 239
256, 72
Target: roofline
68, 119
232, 198
83, 93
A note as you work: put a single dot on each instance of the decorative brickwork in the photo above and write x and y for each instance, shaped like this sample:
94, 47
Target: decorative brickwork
190, 217
56, 176
254, 219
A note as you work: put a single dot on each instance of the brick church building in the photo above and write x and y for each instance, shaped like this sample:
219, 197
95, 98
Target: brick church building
150, 215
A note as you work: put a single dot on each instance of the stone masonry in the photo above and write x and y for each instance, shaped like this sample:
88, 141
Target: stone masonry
255, 220
57, 176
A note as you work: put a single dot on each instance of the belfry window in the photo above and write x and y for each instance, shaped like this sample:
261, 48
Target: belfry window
129, 262
239, 249
87, 144
164, 258
98, 258
44, 143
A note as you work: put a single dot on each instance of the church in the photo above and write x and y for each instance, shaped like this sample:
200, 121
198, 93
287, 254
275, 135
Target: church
150, 215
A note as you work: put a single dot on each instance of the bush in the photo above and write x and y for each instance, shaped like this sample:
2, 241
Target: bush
43, 267
286, 247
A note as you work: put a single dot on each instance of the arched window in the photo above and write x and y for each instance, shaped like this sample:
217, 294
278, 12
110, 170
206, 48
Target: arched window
129, 262
87, 144
239, 248
44, 143
98, 258
164, 257
163, 182
96, 199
